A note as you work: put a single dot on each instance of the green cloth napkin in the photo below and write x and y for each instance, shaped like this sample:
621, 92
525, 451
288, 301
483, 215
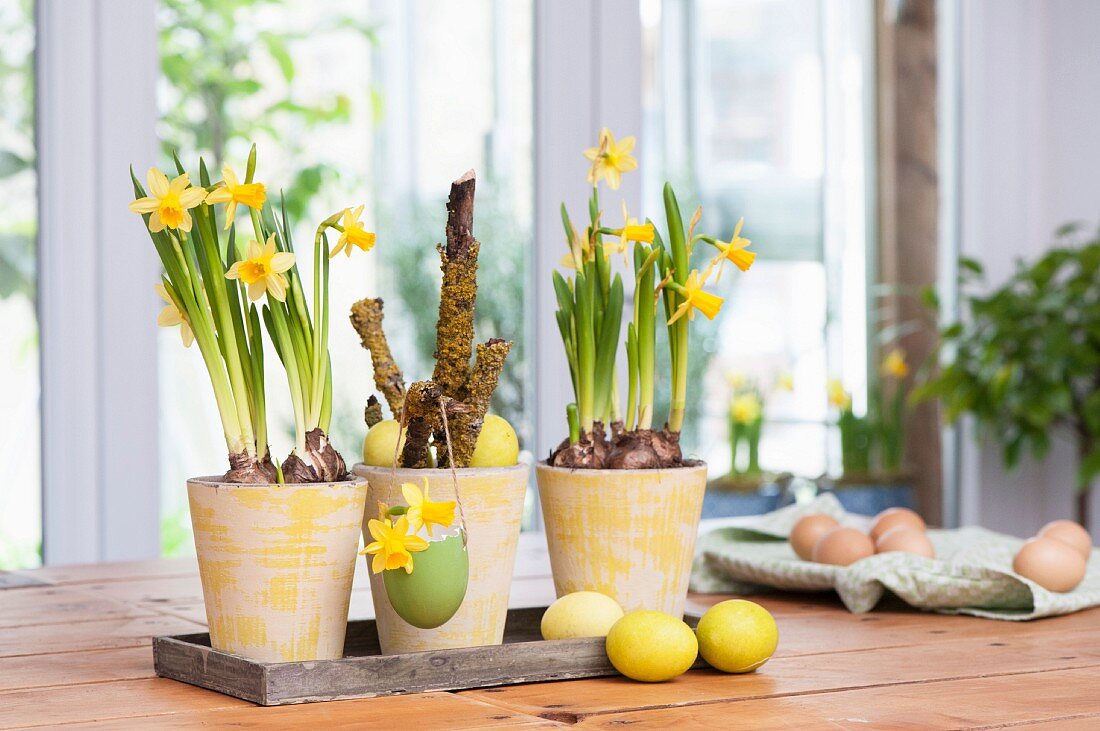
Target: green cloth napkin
971, 574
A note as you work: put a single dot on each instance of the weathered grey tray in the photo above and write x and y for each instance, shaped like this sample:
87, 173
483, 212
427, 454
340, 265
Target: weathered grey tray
363, 672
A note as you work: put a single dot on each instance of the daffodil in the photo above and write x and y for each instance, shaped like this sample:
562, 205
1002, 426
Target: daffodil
610, 159
168, 202
423, 512
785, 382
894, 364
171, 316
746, 408
633, 231
231, 192
262, 270
838, 397
695, 298
393, 545
734, 250
353, 234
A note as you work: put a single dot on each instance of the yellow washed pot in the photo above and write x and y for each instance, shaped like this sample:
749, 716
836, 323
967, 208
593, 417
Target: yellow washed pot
629, 534
276, 563
492, 499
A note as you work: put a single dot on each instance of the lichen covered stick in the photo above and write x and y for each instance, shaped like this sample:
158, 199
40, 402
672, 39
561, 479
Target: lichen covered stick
455, 327
421, 417
476, 396
366, 318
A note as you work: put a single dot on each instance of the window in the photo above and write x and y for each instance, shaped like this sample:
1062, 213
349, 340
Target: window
384, 103
760, 108
20, 488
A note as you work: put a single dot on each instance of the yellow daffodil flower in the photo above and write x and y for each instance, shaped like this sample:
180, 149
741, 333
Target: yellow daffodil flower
784, 382
232, 191
838, 397
610, 159
633, 231
393, 545
168, 203
171, 316
697, 299
734, 250
423, 512
262, 270
746, 408
894, 364
354, 234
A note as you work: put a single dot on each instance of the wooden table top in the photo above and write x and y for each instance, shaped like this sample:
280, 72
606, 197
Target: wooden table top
75, 652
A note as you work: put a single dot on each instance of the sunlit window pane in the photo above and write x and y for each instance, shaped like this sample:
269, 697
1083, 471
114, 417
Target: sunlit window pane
377, 102
20, 488
737, 116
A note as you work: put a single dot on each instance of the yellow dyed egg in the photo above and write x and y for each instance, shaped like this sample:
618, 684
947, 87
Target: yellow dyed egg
651, 646
580, 614
379, 445
497, 444
737, 636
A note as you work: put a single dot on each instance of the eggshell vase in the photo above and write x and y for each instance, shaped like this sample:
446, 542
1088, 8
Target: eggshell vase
492, 499
276, 564
431, 594
629, 534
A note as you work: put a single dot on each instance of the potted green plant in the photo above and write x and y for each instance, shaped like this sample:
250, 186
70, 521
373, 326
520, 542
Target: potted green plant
620, 502
276, 542
1025, 361
441, 451
746, 489
872, 445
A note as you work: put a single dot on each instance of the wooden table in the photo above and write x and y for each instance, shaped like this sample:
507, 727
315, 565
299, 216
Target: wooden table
74, 649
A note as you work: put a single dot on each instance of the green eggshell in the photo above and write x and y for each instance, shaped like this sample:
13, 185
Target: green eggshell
434, 591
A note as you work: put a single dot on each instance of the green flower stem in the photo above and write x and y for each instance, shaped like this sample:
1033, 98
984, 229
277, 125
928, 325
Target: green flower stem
586, 352
677, 331
574, 421
632, 374
284, 345
645, 330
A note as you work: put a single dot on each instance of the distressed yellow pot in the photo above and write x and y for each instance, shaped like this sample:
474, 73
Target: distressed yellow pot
629, 534
276, 563
492, 499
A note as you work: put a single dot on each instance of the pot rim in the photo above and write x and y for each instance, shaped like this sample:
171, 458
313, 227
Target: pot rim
216, 481
360, 469
693, 465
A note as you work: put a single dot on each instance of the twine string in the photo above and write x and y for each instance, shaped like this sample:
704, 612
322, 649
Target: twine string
454, 473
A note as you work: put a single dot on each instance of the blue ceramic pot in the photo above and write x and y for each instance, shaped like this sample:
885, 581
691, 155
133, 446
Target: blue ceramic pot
872, 499
720, 502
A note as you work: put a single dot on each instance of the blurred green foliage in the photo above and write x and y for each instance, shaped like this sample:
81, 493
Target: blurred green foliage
215, 61
1026, 360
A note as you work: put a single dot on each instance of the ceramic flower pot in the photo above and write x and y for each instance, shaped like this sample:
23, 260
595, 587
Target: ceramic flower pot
629, 534
492, 501
276, 563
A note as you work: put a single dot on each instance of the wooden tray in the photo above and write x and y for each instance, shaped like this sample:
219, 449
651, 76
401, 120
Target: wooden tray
363, 672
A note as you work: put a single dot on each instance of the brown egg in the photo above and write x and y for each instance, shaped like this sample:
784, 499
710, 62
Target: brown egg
1069, 532
842, 547
892, 518
906, 539
1051, 564
807, 530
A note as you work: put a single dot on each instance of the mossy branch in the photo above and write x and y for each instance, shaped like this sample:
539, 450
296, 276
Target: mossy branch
476, 395
366, 318
421, 420
455, 328
373, 413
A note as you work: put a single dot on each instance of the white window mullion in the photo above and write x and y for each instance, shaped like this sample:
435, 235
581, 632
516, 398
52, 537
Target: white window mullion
587, 75
96, 114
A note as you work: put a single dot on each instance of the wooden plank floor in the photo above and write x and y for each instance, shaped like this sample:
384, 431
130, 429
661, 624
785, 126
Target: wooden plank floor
74, 653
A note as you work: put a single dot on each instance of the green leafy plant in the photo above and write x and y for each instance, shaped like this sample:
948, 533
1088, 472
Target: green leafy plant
1025, 362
